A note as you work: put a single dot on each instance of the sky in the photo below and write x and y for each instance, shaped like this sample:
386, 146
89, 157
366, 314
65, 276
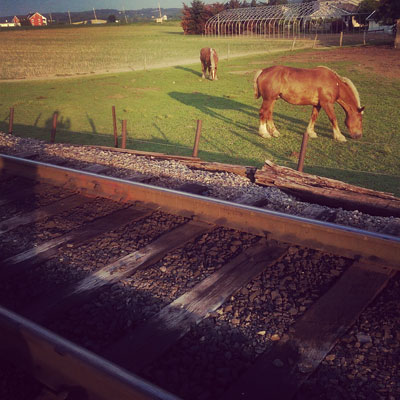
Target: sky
22, 7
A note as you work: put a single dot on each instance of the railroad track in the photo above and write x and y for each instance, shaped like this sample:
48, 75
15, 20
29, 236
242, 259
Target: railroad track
111, 289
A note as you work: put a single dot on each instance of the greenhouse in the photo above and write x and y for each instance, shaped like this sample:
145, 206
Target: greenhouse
283, 21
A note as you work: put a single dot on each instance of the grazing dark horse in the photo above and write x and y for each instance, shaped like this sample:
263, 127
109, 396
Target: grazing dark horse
209, 61
319, 87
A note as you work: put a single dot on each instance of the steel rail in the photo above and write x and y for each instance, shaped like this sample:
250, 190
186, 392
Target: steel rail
65, 367
382, 250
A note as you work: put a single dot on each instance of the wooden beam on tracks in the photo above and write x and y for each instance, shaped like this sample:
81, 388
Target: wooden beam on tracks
144, 153
66, 367
49, 210
88, 287
340, 240
327, 191
148, 342
37, 255
280, 372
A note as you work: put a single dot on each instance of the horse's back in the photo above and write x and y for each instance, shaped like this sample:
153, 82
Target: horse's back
297, 85
205, 54
282, 73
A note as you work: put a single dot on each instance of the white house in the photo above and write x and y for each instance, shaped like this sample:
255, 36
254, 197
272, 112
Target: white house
376, 26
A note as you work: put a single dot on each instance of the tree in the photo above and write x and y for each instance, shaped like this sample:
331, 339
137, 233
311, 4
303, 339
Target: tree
253, 3
388, 11
277, 2
214, 9
194, 18
233, 4
365, 8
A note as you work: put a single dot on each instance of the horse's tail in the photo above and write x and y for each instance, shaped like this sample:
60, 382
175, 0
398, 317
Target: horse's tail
212, 51
257, 93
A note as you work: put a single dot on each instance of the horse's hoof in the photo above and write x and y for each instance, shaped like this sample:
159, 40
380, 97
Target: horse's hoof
265, 135
276, 133
341, 139
312, 135
263, 132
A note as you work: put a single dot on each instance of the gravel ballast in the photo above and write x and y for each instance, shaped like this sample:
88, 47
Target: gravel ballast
173, 174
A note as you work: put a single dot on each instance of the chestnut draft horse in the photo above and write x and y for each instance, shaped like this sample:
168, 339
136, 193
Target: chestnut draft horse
319, 87
209, 61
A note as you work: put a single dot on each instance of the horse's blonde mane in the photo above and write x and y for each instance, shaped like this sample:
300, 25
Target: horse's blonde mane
353, 89
349, 83
212, 58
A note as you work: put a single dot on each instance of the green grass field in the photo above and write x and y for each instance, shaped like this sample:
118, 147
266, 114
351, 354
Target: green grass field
162, 106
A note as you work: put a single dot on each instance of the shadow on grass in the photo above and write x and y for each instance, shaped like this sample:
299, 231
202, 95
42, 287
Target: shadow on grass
215, 107
157, 145
208, 104
197, 73
62, 124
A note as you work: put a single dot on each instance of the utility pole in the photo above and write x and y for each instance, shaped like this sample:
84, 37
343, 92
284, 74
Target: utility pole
126, 20
94, 12
69, 15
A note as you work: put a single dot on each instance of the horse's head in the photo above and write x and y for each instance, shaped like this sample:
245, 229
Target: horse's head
213, 73
213, 62
354, 122
350, 101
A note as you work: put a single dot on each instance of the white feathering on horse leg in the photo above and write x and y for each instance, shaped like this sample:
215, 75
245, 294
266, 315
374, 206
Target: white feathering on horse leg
337, 135
310, 129
262, 131
272, 129
276, 133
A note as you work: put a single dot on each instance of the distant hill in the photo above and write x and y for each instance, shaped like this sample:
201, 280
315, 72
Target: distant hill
145, 14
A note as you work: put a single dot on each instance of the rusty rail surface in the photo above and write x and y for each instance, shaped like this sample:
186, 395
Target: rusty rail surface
52, 359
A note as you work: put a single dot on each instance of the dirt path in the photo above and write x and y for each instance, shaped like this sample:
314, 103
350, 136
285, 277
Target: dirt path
382, 60
152, 66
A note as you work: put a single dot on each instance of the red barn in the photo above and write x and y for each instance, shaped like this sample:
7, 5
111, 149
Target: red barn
37, 19
34, 19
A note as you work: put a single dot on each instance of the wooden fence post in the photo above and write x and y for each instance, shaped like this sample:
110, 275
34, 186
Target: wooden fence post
197, 139
124, 134
54, 128
294, 42
115, 127
397, 38
11, 121
341, 39
302, 152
